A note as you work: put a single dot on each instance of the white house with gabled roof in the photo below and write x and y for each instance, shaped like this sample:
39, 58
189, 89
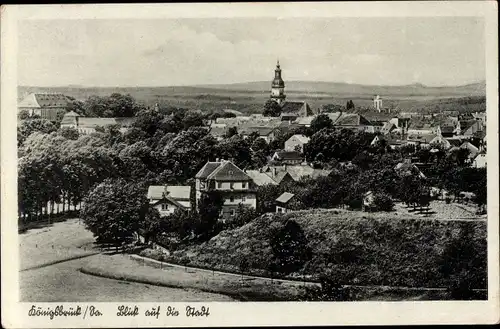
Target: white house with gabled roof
167, 199
296, 143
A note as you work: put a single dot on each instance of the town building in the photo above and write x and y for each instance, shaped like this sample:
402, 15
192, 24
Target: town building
388, 140
406, 168
168, 199
480, 160
235, 185
283, 203
287, 157
296, 143
304, 121
388, 127
218, 131
354, 121
46, 106
261, 178
291, 111
421, 140
88, 125
473, 149
440, 142
377, 103
368, 201
472, 129
295, 172
266, 133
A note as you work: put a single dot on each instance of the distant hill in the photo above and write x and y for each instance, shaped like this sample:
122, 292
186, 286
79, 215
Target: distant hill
319, 89
337, 88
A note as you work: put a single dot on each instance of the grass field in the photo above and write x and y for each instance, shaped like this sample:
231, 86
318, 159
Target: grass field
54, 242
63, 282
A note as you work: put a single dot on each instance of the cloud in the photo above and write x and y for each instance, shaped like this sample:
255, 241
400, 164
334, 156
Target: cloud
189, 51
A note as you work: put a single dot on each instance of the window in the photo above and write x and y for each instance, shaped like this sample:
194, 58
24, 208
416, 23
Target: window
230, 172
233, 212
279, 209
231, 199
244, 185
243, 199
164, 206
219, 185
231, 185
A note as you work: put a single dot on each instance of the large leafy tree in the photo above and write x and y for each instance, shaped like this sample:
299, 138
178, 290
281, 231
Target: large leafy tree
27, 127
236, 148
341, 145
187, 152
69, 133
271, 109
321, 121
192, 119
209, 208
349, 105
116, 105
114, 210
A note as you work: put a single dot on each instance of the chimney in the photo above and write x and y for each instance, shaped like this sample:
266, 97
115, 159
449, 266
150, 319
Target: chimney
274, 171
217, 159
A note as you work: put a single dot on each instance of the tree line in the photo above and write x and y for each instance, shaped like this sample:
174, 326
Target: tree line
169, 145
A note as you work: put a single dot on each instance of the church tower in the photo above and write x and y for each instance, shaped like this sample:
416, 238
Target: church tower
278, 86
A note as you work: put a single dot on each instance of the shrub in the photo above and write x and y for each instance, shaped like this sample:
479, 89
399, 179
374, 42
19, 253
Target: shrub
355, 203
330, 290
289, 247
244, 265
243, 216
383, 202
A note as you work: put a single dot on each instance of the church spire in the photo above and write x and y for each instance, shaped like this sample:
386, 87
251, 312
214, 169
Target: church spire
278, 85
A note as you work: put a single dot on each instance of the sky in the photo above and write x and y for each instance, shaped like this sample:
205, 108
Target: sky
434, 51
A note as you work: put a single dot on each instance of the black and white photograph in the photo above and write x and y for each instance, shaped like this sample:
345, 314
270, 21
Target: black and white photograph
274, 158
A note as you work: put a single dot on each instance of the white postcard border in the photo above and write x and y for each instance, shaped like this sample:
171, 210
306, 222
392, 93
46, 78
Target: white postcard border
15, 314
